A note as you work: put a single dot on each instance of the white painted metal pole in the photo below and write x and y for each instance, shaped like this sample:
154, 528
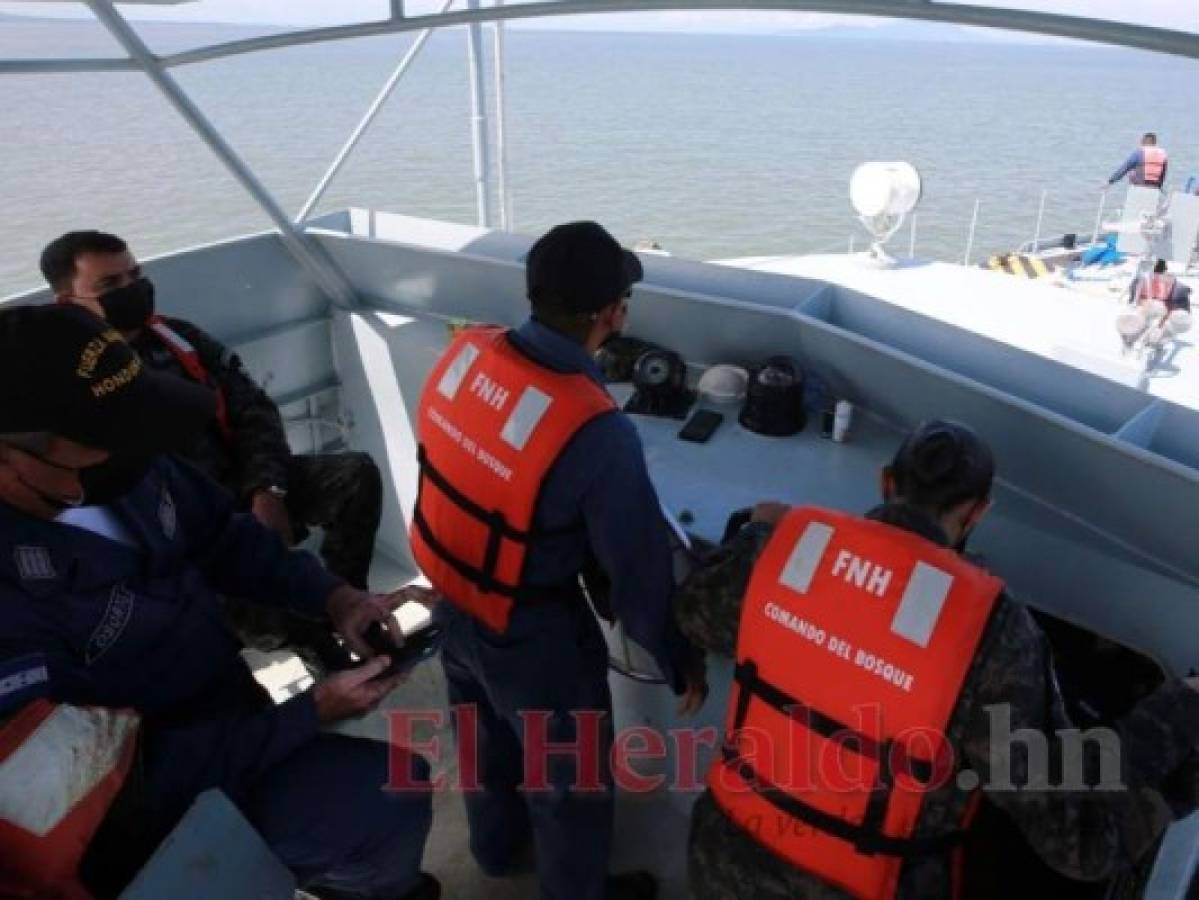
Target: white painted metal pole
1036, 238
371, 112
478, 107
501, 127
326, 276
912, 239
1099, 218
970, 237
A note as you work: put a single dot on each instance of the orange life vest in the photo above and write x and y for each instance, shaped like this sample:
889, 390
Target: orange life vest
189, 360
1156, 287
1153, 167
854, 642
490, 424
60, 769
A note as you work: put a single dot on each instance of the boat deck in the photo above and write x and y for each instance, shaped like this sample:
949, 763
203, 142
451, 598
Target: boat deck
651, 830
1072, 325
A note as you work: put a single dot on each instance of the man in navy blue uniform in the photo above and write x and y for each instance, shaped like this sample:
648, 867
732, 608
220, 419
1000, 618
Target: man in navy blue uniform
595, 504
115, 600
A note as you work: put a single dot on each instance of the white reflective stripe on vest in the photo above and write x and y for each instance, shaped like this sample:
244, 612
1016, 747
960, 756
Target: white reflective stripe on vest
921, 604
60, 763
805, 557
455, 373
922, 601
172, 337
530, 410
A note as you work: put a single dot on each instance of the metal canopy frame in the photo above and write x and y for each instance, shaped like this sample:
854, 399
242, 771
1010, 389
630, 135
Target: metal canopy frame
1103, 31
319, 267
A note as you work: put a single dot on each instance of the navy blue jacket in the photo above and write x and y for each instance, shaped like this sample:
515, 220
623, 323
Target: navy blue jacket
116, 626
602, 478
1136, 165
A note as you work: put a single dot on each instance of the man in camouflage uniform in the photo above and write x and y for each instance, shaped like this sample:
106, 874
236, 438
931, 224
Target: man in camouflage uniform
1085, 835
246, 449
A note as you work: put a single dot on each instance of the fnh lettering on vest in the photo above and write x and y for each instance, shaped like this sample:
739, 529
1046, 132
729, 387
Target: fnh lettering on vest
841, 648
868, 576
469, 445
526, 415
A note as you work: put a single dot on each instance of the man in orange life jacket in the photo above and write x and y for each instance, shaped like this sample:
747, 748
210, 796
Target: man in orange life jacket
1162, 287
1146, 166
875, 626
246, 448
527, 469
1161, 307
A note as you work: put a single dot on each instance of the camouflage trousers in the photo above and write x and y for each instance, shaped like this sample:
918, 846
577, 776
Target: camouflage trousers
725, 863
342, 494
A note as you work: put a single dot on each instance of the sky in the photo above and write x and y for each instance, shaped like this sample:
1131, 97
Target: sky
1179, 14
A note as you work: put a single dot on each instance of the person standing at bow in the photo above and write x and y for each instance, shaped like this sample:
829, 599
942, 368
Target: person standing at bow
528, 470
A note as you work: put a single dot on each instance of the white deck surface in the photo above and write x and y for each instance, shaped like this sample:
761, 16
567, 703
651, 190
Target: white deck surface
1073, 324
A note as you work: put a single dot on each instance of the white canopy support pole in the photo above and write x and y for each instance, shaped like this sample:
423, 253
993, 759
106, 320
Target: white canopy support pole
1158, 40
478, 109
367, 120
912, 238
501, 127
331, 281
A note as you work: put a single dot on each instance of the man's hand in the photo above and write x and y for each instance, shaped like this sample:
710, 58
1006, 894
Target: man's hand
770, 512
271, 511
353, 611
42, 486
354, 692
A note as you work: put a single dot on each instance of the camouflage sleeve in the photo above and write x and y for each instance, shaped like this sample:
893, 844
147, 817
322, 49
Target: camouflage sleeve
259, 438
1086, 802
708, 604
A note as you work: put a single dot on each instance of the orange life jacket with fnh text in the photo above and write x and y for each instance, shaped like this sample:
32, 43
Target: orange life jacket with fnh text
854, 642
490, 424
189, 359
60, 769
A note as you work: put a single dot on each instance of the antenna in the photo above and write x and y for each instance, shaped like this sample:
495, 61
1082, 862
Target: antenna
882, 193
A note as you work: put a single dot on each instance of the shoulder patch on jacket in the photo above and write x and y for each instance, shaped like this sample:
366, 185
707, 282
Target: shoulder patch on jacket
22, 679
116, 616
34, 563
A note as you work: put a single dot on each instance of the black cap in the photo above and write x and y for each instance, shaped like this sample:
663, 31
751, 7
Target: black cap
946, 460
580, 267
66, 372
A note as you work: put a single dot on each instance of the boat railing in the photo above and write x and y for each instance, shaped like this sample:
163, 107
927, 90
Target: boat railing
1038, 243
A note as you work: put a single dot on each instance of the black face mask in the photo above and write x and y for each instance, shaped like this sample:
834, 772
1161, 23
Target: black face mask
128, 308
113, 479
